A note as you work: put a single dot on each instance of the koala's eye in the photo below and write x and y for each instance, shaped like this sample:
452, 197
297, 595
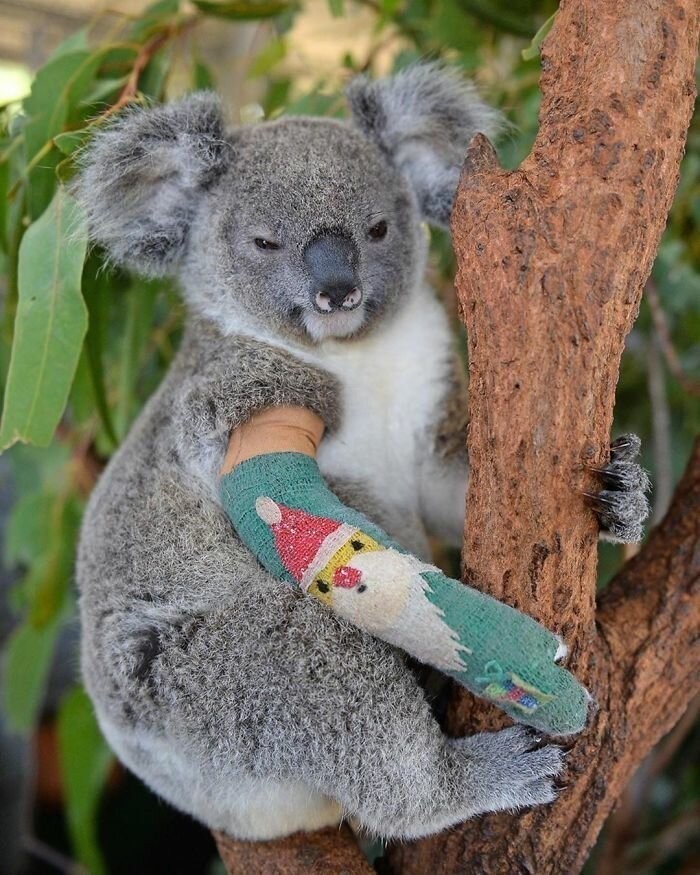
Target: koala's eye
378, 231
322, 587
262, 243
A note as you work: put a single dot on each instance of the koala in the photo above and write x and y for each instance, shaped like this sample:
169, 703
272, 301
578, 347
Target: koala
300, 250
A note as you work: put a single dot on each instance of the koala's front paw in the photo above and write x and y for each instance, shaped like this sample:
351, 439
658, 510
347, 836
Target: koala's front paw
622, 505
507, 770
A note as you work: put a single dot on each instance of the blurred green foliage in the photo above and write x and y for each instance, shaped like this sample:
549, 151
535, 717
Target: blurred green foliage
84, 346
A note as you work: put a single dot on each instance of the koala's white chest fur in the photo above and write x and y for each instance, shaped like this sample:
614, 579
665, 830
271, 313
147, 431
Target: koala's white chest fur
392, 382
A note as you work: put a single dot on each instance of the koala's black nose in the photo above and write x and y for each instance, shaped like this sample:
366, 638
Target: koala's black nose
331, 259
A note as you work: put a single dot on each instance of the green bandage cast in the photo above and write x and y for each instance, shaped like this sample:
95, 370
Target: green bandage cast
301, 533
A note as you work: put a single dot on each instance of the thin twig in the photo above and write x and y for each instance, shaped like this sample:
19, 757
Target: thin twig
673, 362
36, 848
143, 58
661, 429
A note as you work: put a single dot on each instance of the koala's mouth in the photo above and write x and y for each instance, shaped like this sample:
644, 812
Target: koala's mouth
341, 322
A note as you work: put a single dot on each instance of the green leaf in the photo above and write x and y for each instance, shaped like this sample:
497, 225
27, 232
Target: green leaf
48, 581
96, 288
27, 530
117, 60
533, 50
272, 54
103, 89
56, 93
71, 140
315, 103
50, 324
28, 654
4, 189
154, 77
498, 15
85, 762
57, 87
33, 467
154, 17
336, 8
242, 10
140, 308
72, 43
202, 76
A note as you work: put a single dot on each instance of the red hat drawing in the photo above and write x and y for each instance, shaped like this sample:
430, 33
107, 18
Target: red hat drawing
305, 543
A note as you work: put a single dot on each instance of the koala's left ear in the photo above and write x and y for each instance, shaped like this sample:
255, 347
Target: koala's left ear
143, 175
423, 119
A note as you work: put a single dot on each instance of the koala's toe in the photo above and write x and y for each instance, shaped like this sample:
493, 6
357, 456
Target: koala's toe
622, 514
547, 761
625, 448
622, 505
625, 476
540, 792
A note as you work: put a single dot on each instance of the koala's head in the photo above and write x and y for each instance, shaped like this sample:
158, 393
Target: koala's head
307, 227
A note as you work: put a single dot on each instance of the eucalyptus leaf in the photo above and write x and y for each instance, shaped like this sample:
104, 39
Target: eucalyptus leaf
140, 308
96, 291
26, 530
4, 189
27, 663
50, 324
56, 93
104, 89
499, 14
154, 77
154, 17
85, 761
72, 43
48, 581
202, 76
242, 10
69, 141
533, 50
272, 54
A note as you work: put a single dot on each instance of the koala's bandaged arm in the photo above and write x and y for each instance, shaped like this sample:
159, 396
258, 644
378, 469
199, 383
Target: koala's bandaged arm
278, 502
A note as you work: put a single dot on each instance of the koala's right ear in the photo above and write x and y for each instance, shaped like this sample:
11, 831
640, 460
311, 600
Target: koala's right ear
423, 119
142, 177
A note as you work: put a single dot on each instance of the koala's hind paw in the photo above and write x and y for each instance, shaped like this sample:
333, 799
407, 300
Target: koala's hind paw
622, 505
508, 770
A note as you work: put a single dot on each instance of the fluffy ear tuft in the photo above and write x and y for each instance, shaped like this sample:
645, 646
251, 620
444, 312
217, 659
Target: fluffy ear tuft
142, 176
424, 118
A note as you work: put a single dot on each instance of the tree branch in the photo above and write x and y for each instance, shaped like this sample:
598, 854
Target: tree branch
552, 260
330, 850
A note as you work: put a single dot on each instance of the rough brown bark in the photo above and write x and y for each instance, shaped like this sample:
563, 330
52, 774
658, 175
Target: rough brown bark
552, 261
326, 851
644, 669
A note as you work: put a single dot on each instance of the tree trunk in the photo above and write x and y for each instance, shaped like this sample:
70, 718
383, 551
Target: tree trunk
552, 261
643, 669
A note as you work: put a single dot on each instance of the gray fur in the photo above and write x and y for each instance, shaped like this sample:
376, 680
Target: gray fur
144, 176
622, 505
424, 119
232, 695
207, 674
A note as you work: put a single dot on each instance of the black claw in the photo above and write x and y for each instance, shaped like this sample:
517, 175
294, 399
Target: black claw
624, 476
625, 448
